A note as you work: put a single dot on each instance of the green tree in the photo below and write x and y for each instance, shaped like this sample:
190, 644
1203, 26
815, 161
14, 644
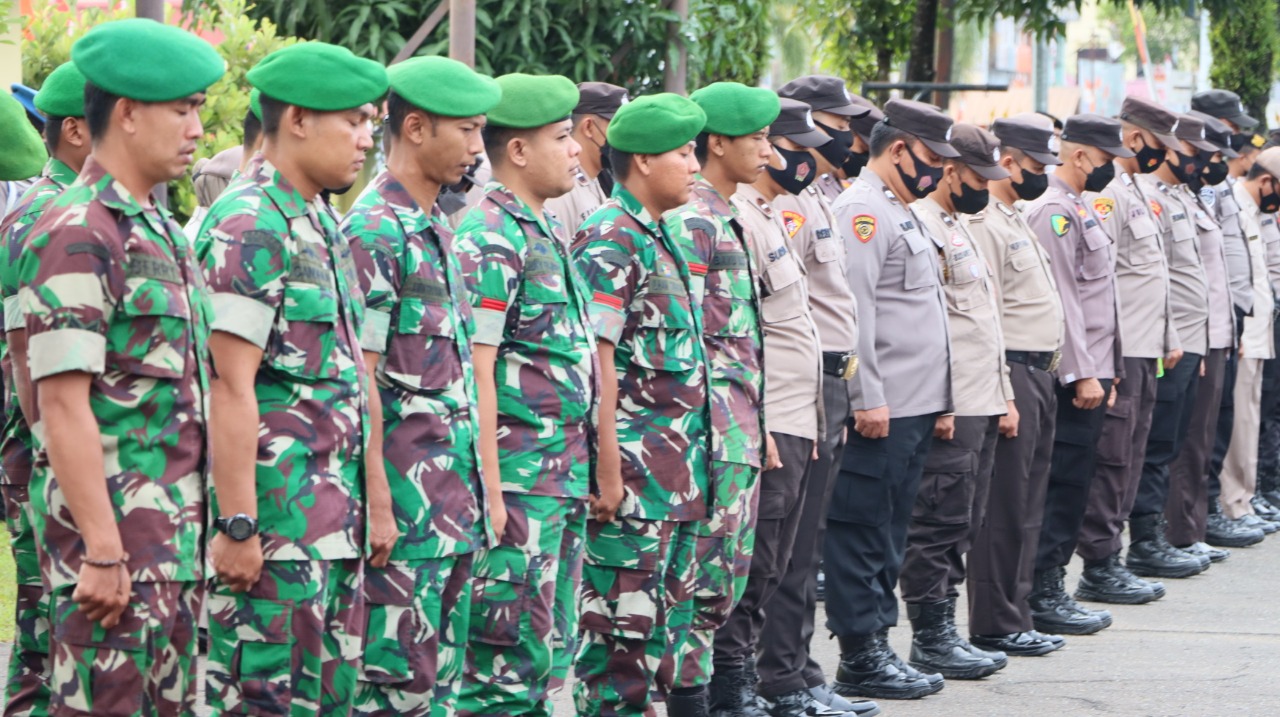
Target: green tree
1242, 37
1170, 33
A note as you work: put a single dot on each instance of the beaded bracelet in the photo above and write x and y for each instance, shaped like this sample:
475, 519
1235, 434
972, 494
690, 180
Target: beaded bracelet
106, 563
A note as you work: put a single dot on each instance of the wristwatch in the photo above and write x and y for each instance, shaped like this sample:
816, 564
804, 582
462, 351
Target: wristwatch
238, 527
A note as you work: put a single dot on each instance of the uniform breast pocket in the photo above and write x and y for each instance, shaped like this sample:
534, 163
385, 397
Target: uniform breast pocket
1096, 262
543, 303
1144, 245
1183, 251
827, 275
664, 338
156, 335
966, 291
423, 351
921, 269
1027, 280
785, 298
305, 346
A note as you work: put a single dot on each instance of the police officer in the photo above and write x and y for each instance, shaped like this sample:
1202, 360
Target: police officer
597, 103
416, 343
538, 386
1178, 390
957, 472
117, 334
833, 110
61, 98
639, 576
903, 384
294, 506
1142, 280
1082, 262
1000, 563
733, 148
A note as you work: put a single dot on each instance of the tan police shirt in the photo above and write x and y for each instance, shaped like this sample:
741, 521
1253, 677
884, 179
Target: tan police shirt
1222, 317
811, 228
573, 208
1258, 339
1188, 284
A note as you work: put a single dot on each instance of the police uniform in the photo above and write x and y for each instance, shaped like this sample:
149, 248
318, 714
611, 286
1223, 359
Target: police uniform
1082, 258
572, 209
904, 353
1142, 280
1000, 565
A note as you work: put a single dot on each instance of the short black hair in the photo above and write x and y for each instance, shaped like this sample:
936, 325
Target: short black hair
1255, 171
398, 108
52, 132
620, 162
252, 129
272, 114
98, 105
496, 140
700, 146
884, 135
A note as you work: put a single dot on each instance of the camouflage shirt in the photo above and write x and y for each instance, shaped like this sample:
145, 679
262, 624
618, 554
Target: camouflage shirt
641, 286
419, 320
282, 277
530, 303
724, 280
112, 289
14, 233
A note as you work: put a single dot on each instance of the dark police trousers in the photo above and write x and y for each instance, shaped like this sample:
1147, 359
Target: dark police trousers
1002, 560
1186, 503
867, 521
1121, 450
1075, 449
950, 504
1175, 398
1269, 433
1222, 435
785, 663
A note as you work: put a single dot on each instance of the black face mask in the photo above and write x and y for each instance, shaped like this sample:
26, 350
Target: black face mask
854, 163
926, 179
605, 177
1215, 173
834, 152
1099, 177
843, 137
1270, 203
1149, 158
970, 200
799, 173
1188, 168
1032, 185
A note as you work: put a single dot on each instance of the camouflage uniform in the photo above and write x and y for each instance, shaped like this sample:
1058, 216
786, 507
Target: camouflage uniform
639, 576
723, 277
28, 689
282, 277
418, 607
111, 288
530, 303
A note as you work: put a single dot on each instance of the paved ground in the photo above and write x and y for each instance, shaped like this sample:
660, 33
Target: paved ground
1210, 647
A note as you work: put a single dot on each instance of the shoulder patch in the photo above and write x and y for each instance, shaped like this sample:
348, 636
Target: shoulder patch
1156, 208
792, 221
1104, 206
1208, 195
1060, 224
864, 227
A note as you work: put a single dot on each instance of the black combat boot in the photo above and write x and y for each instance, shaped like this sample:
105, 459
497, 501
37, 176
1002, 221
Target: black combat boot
1150, 554
1106, 581
1223, 532
866, 670
882, 639
1000, 659
1053, 611
733, 692
934, 648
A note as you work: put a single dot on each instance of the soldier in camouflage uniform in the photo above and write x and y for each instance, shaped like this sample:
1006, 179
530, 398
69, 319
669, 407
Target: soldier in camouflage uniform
416, 338
537, 382
724, 278
117, 326
638, 580
61, 98
290, 405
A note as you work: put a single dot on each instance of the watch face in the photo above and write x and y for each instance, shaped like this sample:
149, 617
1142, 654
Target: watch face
239, 528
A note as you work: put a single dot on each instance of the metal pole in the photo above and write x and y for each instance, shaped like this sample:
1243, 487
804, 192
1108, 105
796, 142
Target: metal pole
1206, 55
675, 75
153, 9
462, 31
1041, 71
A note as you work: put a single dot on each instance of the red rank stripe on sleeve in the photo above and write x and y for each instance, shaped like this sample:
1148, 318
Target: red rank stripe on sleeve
697, 269
607, 299
493, 304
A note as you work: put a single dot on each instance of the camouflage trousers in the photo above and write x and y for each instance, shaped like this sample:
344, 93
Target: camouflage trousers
524, 609
289, 646
637, 606
27, 689
725, 543
415, 637
144, 666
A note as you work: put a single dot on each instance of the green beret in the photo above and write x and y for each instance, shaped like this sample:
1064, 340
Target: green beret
319, 76
654, 124
533, 100
147, 61
444, 86
735, 110
255, 103
24, 154
62, 94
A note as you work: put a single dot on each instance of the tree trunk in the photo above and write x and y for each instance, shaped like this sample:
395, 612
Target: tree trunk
924, 28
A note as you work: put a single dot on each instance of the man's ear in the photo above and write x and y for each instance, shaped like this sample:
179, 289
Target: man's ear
518, 152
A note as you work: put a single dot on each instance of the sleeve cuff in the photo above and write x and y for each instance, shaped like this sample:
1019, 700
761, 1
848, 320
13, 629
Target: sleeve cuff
374, 335
241, 316
491, 324
14, 317
63, 350
607, 321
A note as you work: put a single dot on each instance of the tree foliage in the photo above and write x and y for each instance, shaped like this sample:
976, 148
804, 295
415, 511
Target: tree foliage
1243, 41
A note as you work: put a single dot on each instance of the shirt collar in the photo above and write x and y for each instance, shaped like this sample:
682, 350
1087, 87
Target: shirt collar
407, 210
507, 200
285, 196
59, 173
632, 206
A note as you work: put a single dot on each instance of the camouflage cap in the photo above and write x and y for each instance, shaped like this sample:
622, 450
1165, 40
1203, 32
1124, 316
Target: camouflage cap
62, 94
146, 60
735, 110
24, 153
533, 100
654, 124
443, 86
319, 76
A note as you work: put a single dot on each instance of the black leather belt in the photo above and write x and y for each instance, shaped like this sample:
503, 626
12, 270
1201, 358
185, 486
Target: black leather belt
1043, 360
842, 366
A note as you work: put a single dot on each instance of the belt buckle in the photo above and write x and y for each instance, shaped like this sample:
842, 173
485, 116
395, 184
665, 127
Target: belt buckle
1053, 363
850, 366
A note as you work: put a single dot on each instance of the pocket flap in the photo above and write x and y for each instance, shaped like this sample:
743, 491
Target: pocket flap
253, 619
505, 563
74, 628
310, 302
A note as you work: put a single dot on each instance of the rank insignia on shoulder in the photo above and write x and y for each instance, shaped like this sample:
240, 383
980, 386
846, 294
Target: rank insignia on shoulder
1060, 224
1127, 180
1008, 210
1104, 206
864, 227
